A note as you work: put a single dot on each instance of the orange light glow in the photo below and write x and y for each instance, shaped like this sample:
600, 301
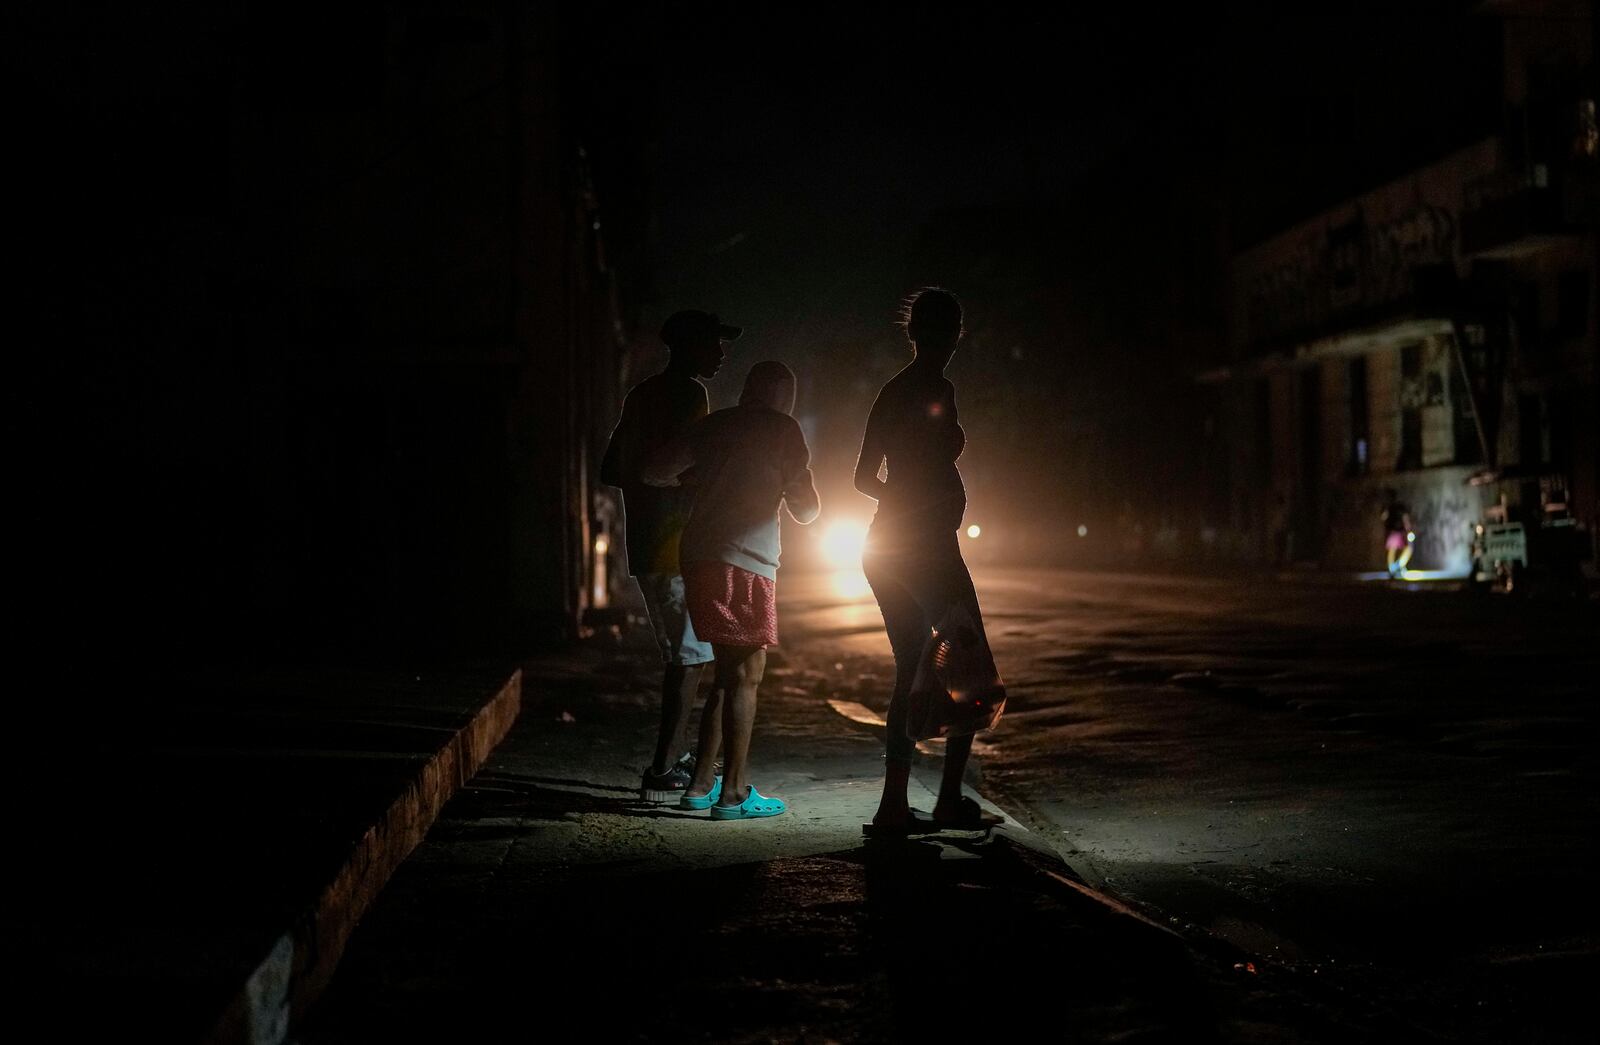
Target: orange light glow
851, 584
843, 542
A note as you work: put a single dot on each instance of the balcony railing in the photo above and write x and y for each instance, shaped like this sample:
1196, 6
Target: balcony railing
1507, 214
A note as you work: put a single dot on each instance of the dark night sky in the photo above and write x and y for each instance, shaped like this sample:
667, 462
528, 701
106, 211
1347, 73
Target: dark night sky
212, 203
793, 174
1073, 174
801, 176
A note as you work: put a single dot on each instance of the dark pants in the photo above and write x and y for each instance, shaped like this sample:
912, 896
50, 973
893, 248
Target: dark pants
916, 581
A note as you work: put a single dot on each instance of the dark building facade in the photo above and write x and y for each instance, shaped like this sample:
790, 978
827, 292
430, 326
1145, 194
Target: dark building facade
1434, 336
323, 334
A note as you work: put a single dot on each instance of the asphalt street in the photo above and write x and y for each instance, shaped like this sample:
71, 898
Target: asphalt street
1389, 785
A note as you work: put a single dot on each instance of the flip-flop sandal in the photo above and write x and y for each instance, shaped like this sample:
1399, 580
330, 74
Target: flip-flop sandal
705, 801
918, 823
971, 818
755, 804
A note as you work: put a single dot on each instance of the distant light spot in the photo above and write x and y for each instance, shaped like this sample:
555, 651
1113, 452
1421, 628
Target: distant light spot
1083, 531
974, 530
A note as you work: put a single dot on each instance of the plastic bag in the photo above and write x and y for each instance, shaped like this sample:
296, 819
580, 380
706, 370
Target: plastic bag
957, 690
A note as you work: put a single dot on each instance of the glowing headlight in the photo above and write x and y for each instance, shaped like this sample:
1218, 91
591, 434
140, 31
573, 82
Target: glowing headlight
843, 542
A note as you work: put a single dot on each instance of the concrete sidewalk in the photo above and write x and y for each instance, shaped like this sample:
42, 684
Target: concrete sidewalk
191, 851
193, 859
548, 901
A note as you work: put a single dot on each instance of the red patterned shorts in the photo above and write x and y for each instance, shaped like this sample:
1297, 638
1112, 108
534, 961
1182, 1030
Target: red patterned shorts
730, 606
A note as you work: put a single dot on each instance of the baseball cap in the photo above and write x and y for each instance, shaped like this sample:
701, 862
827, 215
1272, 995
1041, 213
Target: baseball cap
692, 324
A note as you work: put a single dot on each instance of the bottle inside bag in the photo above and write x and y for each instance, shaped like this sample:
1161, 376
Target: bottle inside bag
957, 690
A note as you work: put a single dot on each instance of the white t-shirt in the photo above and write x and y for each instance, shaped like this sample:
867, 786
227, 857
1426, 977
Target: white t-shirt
743, 462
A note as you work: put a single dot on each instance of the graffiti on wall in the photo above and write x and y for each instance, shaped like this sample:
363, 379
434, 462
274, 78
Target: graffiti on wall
1346, 266
1443, 511
1438, 412
1443, 515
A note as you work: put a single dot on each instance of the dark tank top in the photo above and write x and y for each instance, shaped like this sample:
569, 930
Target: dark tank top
917, 427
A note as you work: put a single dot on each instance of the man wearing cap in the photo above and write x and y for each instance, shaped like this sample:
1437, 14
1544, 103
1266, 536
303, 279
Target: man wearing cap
656, 411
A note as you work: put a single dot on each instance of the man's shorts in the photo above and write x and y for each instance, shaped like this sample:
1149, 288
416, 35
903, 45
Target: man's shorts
669, 617
734, 606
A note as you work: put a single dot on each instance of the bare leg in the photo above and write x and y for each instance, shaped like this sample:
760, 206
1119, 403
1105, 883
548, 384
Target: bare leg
908, 631
739, 671
894, 808
678, 687
705, 768
956, 752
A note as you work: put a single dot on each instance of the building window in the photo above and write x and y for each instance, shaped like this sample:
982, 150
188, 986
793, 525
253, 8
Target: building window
1264, 431
1360, 429
1524, 307
1558, 430
1533, 434
1412, 397
1544, 431
1468, 448
1572, 303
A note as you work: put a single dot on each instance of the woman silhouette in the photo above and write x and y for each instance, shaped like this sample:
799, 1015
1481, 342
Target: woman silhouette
913, 558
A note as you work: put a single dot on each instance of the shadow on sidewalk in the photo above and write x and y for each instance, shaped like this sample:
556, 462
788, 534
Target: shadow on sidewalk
932, 938
557, 798
974, 943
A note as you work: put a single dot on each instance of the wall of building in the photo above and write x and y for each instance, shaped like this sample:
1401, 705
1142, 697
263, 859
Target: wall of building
1332, 271
322, 360
1444, 508
1383, 408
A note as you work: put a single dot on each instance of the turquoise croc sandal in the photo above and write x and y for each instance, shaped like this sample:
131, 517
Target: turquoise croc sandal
754, 805
704, 801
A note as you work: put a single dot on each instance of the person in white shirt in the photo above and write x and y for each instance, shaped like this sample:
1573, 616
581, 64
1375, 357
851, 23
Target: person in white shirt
744, 462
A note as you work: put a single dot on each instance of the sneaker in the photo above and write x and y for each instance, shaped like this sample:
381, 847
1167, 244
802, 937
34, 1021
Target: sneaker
664, 788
